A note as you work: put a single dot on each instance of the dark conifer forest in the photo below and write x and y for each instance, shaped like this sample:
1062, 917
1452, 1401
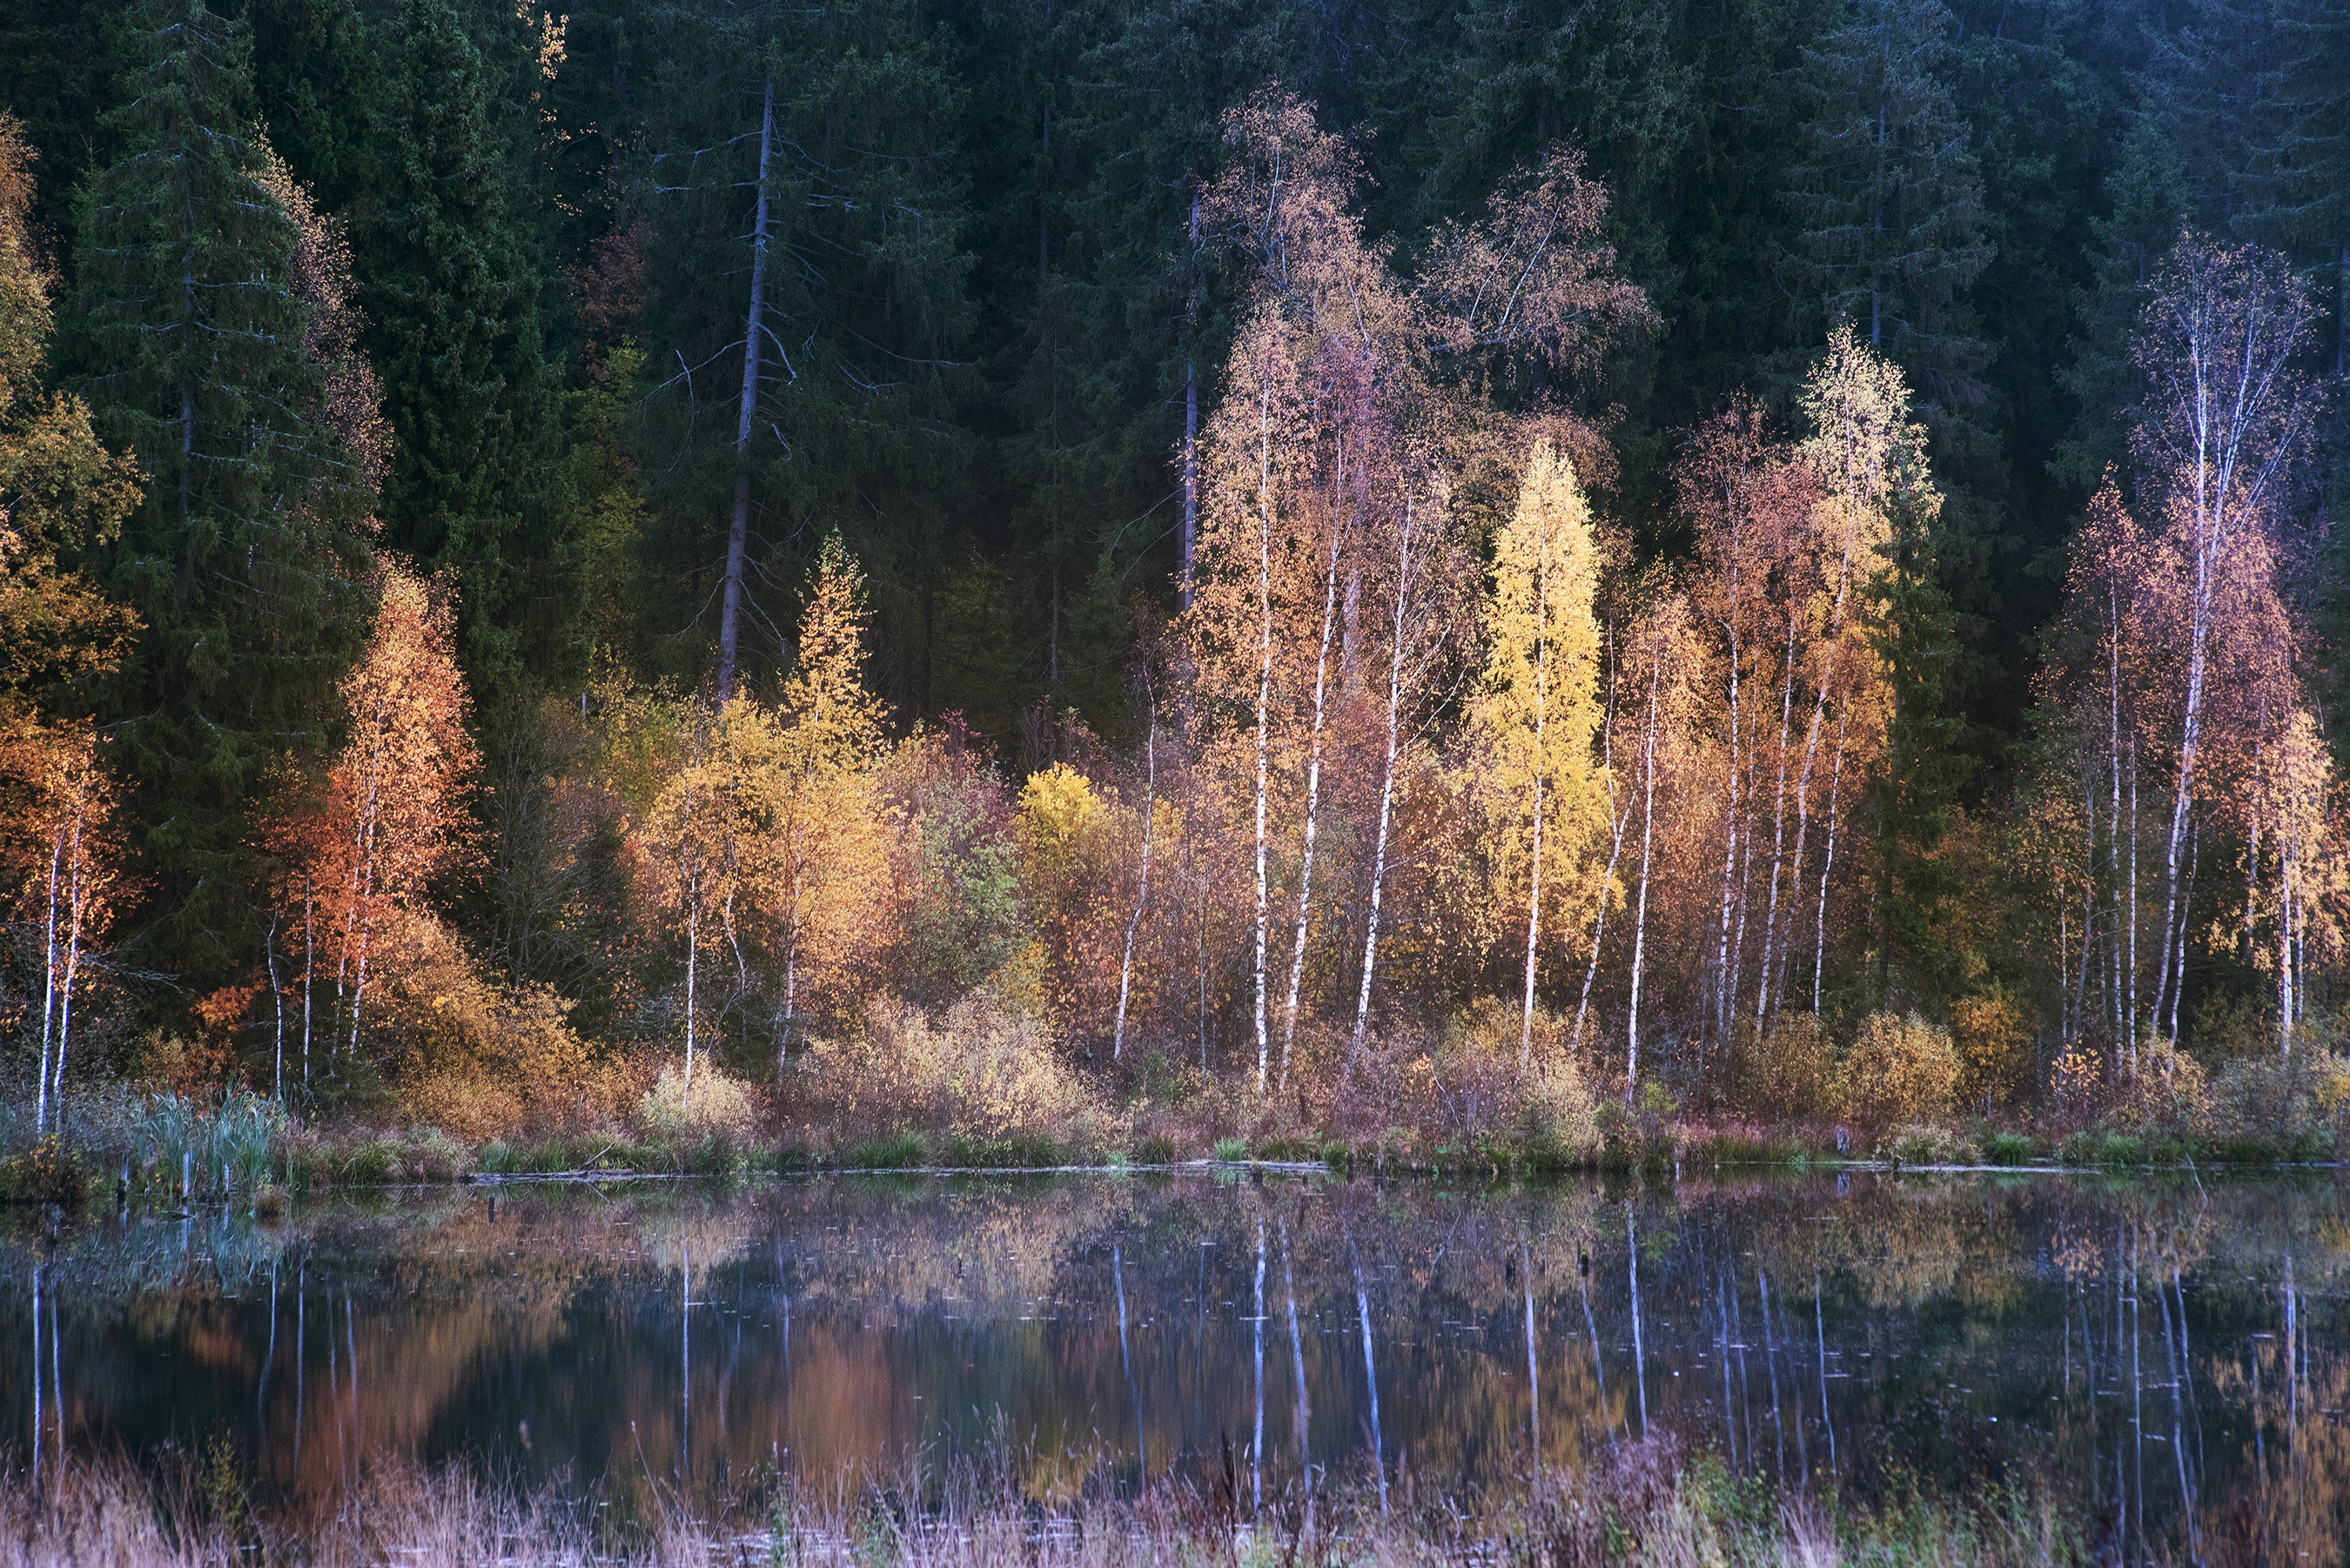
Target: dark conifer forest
1484, 568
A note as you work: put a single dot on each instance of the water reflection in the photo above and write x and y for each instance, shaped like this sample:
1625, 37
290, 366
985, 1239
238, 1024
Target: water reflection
2173, 1356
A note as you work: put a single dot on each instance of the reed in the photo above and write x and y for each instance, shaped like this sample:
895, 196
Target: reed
1639, 1504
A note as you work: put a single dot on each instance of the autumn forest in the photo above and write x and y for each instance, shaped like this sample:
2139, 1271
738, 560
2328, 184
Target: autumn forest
922, 582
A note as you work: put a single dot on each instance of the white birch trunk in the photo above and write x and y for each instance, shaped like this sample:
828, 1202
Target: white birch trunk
1641, 907
1314, 771
48, 983
1827, 866
1264, 706
1142, 898
1403, 598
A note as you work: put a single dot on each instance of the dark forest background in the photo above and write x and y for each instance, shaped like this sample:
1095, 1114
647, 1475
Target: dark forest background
987, 305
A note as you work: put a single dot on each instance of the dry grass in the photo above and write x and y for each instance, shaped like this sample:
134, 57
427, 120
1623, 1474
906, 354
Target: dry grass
1639, 1504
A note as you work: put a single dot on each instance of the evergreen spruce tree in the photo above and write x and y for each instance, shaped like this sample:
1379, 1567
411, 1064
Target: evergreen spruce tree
453, 262
240, 561
861, 313
2147, 204
1920, 636
1891, 198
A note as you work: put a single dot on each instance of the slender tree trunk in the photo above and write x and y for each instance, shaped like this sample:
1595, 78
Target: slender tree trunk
2132, 973
1617, 821
2284, 951
1190, 423
48, 983
1142, 898
1403, 595
800, 872
1820, 699
2178, 958
364, 875
1200, 1014
1828, 865
277, 994
692, 964
1263, 703
2124, 1021
729, 614
1778, 828
77, 909
1640, 905
1622, 820
1314, 770
1723, 983
1535, 867
309, 968
739, 523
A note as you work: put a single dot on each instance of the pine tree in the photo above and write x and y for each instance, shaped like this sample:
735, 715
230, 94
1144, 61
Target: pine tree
240, 561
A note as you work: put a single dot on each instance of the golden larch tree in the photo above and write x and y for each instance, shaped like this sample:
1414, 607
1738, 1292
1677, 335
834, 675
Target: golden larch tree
1539, 704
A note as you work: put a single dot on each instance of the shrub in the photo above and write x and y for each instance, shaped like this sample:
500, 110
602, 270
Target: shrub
1921, 1143
2170, 1090
1789, 1074
2076, 1087
986, 1071
191, 1069
44, 1173
2277, 1101
486, 1060
1989, 1030
714, 1106
1899, 1070
1474, 1090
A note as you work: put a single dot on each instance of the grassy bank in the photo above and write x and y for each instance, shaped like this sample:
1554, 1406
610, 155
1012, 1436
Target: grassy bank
242, 1155
989, 1092
1642, 1503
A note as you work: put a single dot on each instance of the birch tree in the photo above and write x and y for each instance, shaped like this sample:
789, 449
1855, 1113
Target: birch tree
2226, 427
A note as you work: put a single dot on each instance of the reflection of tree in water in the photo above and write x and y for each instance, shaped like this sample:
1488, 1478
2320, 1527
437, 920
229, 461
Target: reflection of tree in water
1945, 1329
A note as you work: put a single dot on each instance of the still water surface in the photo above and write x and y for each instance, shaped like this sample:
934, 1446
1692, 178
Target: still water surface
2170, 1354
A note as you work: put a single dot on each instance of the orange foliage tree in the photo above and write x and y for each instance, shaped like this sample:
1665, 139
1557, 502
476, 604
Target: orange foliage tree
391, 817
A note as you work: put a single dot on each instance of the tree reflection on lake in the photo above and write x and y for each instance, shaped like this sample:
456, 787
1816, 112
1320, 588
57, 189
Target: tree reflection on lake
2168, 1353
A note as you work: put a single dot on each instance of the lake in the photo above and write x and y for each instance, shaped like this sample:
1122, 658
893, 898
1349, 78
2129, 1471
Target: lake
2169, 1352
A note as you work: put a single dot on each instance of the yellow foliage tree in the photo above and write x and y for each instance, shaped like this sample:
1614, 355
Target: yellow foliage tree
823, 840
1541, 705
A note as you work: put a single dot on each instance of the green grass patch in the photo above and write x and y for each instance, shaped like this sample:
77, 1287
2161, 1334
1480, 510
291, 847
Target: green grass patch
2006, 1149
892, 1151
